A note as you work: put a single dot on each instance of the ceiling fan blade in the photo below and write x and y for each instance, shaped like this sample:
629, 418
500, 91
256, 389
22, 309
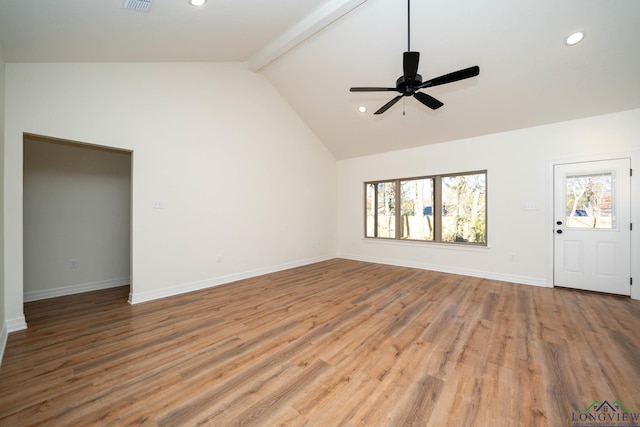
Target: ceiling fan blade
388, 105
428, 100
452, 77
372, 89
410, 65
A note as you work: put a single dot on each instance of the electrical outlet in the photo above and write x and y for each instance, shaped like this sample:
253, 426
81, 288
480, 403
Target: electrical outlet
219, 258
73, 263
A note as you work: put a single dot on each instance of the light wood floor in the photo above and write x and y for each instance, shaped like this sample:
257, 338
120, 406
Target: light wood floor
339, 343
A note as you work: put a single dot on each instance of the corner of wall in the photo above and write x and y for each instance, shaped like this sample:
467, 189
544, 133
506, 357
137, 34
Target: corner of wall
8, 326
3, 339
3, 326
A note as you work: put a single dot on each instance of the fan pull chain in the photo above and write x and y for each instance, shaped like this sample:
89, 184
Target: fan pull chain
403, 106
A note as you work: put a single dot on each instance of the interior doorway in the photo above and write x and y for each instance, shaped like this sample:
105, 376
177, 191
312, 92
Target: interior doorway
592, 225
76, 216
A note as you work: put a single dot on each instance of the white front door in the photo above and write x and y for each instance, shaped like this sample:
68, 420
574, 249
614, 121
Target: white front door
592, 226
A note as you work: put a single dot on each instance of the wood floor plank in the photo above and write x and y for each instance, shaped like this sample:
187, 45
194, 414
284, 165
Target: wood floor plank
337, 343
344, 403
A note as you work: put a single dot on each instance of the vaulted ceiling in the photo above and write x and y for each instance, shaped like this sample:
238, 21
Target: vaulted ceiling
313, 51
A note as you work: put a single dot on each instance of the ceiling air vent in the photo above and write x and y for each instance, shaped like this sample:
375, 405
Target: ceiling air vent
140, 5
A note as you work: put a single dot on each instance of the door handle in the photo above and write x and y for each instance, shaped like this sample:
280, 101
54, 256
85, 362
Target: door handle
559, 222
559, 231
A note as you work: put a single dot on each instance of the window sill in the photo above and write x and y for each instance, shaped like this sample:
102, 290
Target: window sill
425, 245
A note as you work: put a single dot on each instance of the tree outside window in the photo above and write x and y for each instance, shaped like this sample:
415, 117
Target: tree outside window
464, 208
589, 201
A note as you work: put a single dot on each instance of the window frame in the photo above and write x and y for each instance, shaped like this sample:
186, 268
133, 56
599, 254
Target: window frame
375, 207
437, 208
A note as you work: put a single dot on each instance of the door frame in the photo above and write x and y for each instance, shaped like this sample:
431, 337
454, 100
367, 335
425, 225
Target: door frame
635, 211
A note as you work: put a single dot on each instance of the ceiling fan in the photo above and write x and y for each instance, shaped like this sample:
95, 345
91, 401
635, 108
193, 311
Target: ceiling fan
411, 82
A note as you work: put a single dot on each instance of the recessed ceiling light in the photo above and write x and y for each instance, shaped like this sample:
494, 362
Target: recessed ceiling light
197, 2
574, 38
362, 109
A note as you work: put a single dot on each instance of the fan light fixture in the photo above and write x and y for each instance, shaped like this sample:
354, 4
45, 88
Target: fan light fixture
197, 2
574, 38
362, 109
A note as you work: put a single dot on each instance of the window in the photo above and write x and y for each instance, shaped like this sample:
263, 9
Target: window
464, 208
416, 200
381, 209
588, 201
441, 208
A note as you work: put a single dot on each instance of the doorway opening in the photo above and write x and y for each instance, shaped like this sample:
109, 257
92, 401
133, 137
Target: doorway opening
76, 216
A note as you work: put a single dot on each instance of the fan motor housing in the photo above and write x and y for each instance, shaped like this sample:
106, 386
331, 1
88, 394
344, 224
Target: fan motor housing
408, 88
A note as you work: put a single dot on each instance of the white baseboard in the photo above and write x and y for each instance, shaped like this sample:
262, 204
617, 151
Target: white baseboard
138, 297
3, 340
8, 326
16, 324
523, 280
76, 289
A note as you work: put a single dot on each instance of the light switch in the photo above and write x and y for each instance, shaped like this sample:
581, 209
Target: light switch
158, 204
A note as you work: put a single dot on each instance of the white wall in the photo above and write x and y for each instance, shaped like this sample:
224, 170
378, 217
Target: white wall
239, 173
3, 325
77, 205
519, 171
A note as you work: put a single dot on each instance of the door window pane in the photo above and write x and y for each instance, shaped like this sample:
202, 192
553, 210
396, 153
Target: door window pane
464, 208
589, 201
416, 198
